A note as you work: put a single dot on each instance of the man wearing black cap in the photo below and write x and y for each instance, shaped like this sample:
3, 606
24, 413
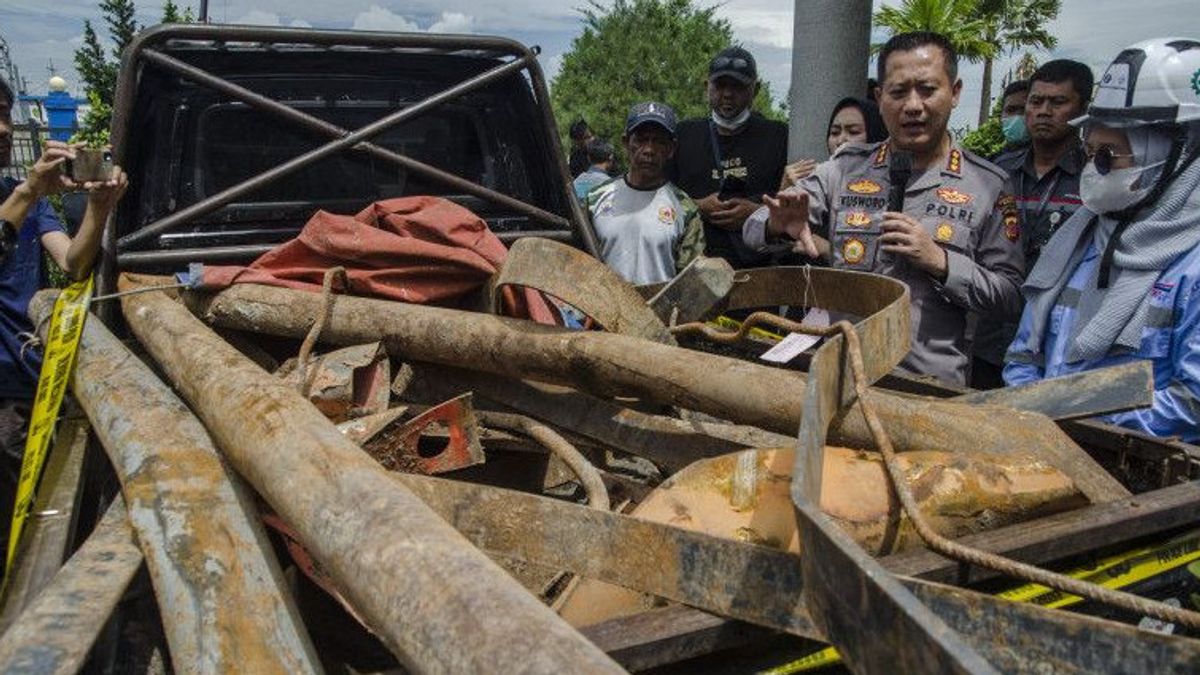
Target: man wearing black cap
648, 228
728, 161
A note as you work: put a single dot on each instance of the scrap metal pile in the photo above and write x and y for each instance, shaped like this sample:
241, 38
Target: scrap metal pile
487, 494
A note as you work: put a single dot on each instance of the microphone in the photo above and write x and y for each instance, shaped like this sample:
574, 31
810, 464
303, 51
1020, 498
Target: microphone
900, 167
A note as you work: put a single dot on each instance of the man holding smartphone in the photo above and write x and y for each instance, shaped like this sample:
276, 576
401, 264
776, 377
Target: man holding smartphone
727, 161
29, 227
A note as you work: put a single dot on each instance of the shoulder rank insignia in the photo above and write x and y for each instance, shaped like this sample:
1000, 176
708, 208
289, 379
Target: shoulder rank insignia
881, 155
865, 186
853, 251
954, 162
954, 197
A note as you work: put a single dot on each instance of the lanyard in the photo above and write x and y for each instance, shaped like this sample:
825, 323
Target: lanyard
1058, 172
716, 151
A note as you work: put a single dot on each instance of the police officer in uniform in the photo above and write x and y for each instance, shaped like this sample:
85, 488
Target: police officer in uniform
1045, 181
957, 241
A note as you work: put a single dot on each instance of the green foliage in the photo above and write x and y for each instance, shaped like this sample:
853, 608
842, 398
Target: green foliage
988, 139
172, 13
98, 70
642, 50
959, 20
93, 131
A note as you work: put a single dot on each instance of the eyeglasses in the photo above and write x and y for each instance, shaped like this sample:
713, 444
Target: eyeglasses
735, 62
1103, 159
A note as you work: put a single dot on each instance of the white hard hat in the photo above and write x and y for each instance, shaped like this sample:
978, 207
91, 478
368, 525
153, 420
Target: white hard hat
1151, 82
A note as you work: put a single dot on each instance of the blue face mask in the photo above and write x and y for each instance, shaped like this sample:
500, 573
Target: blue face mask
1014, 129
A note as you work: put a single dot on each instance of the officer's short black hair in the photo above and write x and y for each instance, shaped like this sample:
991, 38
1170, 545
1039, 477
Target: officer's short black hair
579, 129
1017, 87
1061, 70
599, 151
906, 42
6, 92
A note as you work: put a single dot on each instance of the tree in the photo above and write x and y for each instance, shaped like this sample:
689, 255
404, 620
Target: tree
96, 68
641, 50
980, 30
171, 13
1014, 24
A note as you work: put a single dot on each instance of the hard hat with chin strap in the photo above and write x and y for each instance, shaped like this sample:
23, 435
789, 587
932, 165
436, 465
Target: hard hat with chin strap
1151, 82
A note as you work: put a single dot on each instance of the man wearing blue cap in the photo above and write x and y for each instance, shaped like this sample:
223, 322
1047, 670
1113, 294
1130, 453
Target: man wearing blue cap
648, 228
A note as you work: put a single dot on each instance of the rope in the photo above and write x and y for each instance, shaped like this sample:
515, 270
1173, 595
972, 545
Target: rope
310, 340
934, 540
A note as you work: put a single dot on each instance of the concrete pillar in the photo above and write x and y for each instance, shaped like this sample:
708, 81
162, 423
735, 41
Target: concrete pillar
831, 47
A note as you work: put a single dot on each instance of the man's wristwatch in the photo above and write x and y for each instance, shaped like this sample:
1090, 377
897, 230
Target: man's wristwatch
8, 240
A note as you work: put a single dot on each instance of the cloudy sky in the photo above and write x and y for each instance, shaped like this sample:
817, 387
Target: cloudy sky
43, 33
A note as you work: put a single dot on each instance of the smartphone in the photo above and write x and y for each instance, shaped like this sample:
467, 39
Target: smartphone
89, 165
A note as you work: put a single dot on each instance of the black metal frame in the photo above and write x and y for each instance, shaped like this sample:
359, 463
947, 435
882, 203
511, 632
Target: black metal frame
145, 51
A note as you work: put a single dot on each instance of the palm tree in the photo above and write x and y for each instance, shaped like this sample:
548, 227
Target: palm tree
980, 30
1014, 24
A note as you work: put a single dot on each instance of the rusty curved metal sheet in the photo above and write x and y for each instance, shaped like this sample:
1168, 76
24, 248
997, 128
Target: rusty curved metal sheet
224, 604
583, 281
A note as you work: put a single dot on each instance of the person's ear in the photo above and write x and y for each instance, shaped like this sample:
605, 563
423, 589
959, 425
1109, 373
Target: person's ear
957, 91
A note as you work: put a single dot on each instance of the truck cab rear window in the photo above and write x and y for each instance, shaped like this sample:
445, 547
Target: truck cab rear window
237, 143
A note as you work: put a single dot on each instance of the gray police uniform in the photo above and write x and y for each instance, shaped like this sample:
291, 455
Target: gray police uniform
966, 208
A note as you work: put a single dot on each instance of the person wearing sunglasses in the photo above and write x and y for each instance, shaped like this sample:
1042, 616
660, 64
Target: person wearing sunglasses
1120, 280
1045, 181
727, 161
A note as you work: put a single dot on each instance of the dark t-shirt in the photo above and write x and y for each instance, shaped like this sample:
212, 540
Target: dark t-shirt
577, 162
757, 155
20, 277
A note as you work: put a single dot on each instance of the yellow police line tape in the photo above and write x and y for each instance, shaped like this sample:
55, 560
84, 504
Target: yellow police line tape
66, 327
733, 324
1116, 571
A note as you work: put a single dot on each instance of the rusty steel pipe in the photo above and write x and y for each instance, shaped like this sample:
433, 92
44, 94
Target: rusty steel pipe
223, 600
434, 599
613, 364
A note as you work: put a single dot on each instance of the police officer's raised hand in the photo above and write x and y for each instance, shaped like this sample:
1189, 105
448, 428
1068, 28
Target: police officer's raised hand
46, 176
787, 216
905, 237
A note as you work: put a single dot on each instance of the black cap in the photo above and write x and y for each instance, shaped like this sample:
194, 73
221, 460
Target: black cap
650, 112
734, 62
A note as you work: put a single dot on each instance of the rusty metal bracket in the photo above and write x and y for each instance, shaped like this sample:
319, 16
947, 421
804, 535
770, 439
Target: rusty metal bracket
1079, 395
582, 281
398, 446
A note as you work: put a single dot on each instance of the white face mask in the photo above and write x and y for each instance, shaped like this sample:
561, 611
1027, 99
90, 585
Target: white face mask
731, 124
1117, 190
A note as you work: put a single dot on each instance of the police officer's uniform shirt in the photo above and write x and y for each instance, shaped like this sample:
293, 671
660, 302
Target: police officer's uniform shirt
1043, 204
645, 235
963, 204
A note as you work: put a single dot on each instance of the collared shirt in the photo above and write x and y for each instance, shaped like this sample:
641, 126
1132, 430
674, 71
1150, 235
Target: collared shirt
1043, 203
646, 236
963, 204
1170, 341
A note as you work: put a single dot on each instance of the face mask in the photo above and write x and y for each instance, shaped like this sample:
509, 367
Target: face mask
1115, 191
1014, 129
731, 124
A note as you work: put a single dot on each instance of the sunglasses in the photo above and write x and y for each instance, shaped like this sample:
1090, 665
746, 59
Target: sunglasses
1104, 157
735, 62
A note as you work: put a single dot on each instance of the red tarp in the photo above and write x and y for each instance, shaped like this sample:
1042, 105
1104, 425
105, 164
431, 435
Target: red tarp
424, 250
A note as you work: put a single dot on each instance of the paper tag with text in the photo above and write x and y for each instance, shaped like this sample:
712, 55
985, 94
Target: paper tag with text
797, 343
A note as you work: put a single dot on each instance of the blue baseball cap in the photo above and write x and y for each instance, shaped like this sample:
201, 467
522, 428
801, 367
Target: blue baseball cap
650, 112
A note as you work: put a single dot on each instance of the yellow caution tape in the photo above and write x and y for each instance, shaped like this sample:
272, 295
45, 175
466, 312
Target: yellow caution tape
1117, 571
66, 327
733, 324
